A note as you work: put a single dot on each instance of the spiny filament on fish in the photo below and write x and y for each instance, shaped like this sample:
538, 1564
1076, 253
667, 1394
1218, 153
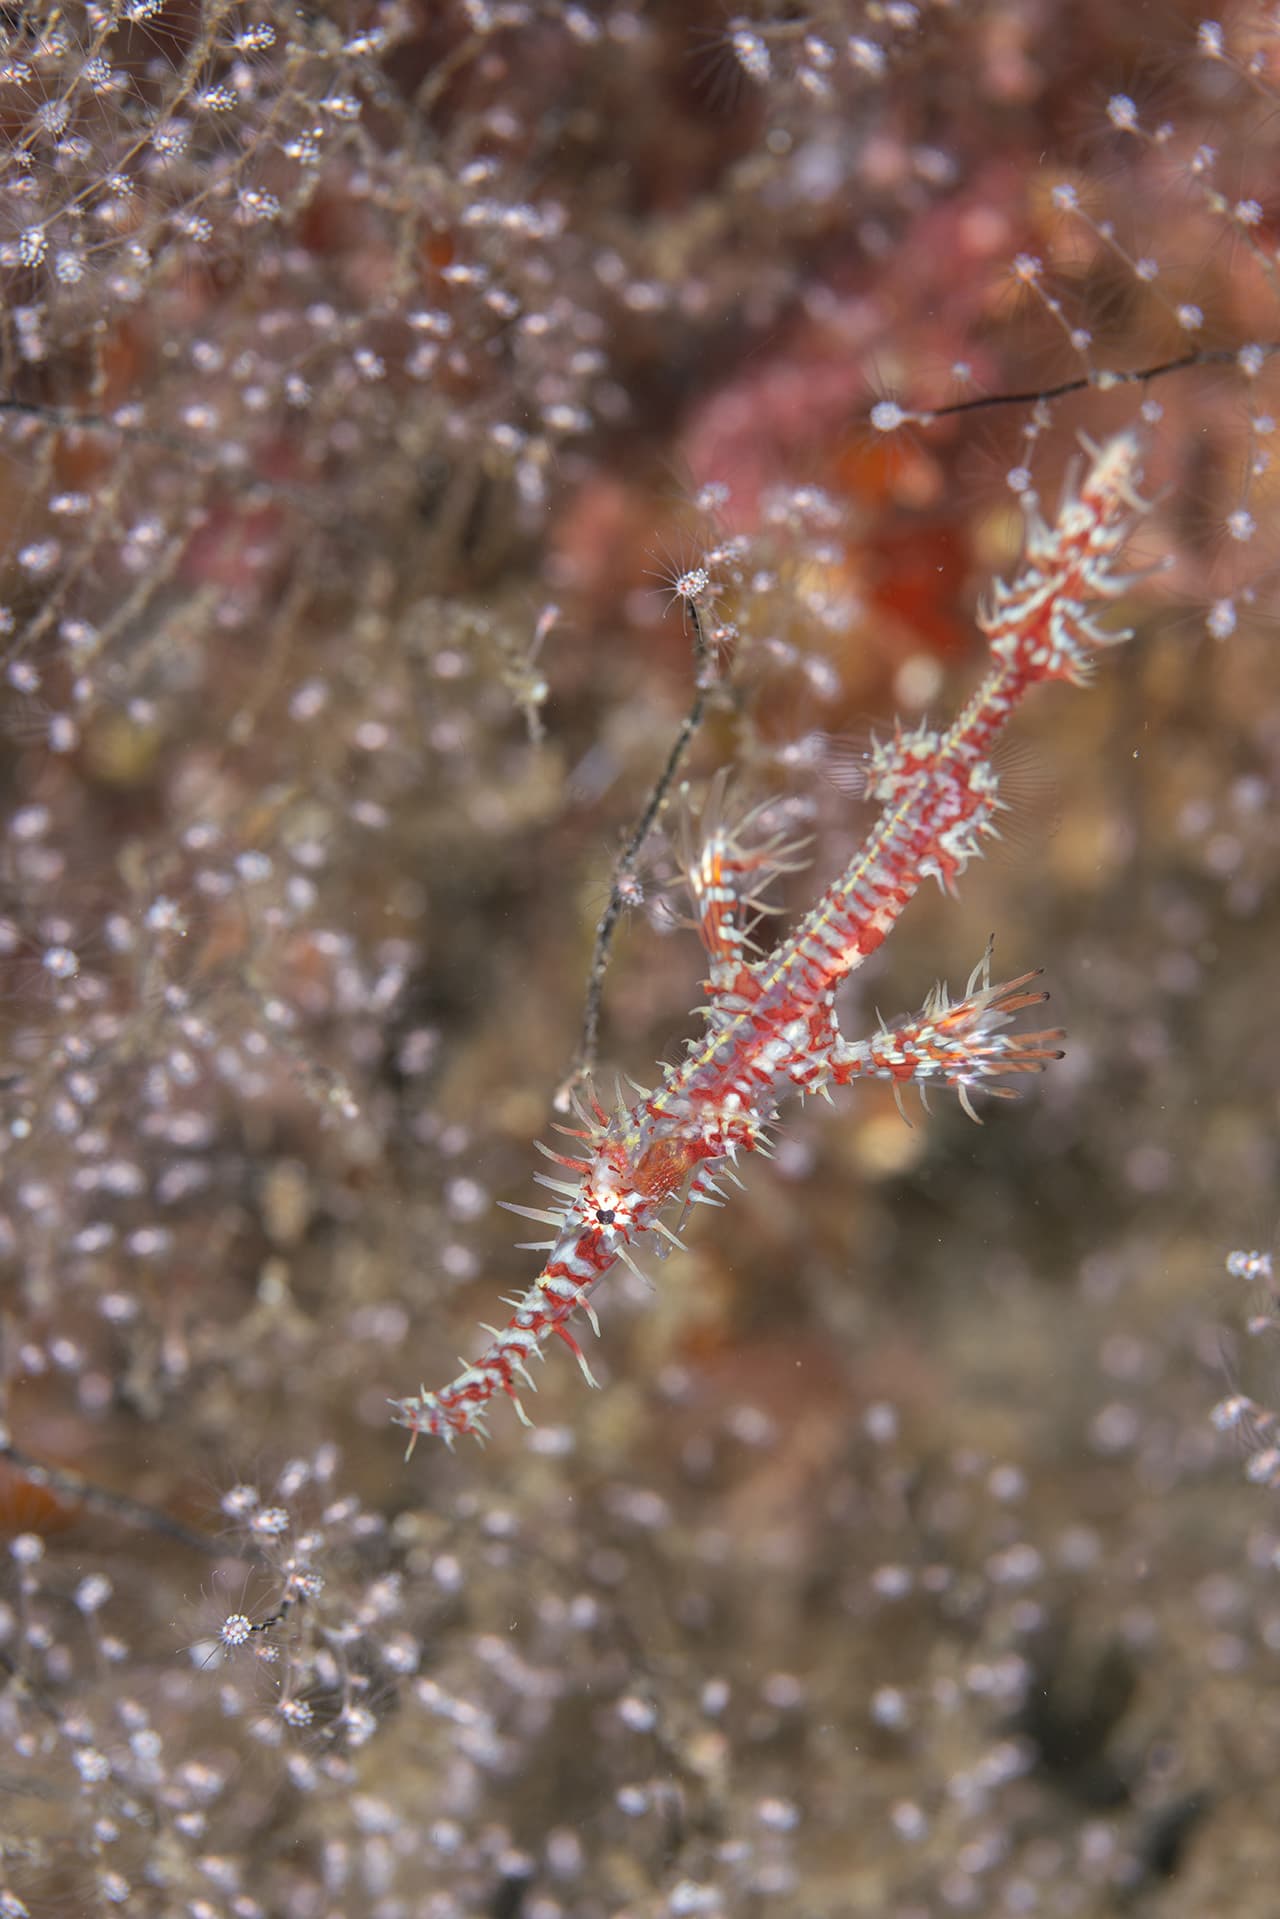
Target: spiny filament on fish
771, 1028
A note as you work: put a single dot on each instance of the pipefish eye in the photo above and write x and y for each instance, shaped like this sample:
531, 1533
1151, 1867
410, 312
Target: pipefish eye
605, 1215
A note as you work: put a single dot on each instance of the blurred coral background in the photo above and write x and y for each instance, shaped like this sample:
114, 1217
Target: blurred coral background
369, 373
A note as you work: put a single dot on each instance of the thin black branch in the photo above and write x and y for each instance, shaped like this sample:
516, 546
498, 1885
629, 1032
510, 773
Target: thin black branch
626, 862
206, 459
1101, 382
66, 1484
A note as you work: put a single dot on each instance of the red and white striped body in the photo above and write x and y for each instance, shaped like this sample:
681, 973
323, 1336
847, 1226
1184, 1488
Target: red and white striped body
771, 1027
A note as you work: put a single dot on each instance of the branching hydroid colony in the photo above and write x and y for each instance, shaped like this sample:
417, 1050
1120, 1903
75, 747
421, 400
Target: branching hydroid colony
770, 1022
